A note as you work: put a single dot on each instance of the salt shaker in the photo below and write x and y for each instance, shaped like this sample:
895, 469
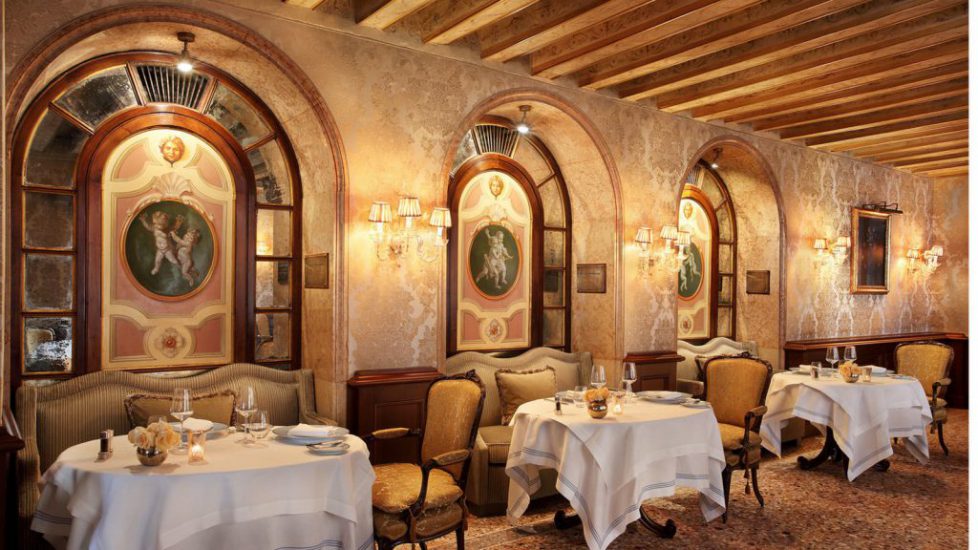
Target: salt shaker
105, 444
557, 404
813, 370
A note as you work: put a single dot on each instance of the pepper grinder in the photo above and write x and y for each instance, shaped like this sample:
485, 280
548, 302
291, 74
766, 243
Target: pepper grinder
105, 444
557, 404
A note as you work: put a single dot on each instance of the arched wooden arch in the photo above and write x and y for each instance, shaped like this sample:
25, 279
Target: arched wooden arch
99, 141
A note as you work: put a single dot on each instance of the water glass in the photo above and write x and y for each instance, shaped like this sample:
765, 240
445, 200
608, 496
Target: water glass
579, 396
598, 379
866, 374
259, 427
247, 404
181, 408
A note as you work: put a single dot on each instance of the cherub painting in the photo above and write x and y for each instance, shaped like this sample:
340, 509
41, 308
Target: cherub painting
168, 253
494, 260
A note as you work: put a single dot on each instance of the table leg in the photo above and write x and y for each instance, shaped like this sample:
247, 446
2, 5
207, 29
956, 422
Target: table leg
828, 450
882, 465
666, 531
562, 520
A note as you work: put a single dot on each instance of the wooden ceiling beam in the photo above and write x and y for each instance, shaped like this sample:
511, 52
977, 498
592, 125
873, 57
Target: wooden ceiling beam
380, 14
912, 128
853, 22
658, 21
468, 16
929, 163
927, 167
924, 154
909, 97
947, 172
310, 4
953, 137
727, 32
877, 118
883, 68
545, 23
845, 55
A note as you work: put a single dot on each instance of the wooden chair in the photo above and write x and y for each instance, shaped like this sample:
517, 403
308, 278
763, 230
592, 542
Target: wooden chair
736, 386
415, 504
929, 363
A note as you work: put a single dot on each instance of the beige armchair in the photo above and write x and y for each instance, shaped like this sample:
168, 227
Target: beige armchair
736, 387
929, 363
416, 503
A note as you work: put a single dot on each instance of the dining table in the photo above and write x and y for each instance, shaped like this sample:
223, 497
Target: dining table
607, 467
266, 494
859, 419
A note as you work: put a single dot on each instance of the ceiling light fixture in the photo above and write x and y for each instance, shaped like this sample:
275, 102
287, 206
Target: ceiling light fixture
523, 128
185, 63
716, 157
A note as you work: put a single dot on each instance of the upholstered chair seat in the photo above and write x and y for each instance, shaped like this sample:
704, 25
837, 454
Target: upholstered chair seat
929, 363
414, 503
736, 386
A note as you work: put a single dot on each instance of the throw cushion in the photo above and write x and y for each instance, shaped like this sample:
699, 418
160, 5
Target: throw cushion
518, 387
216, 407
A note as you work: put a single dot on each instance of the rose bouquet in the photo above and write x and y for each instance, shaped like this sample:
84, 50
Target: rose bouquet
597, 394
153, 442
597, 401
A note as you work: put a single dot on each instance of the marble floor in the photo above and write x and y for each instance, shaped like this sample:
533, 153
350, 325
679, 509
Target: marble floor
910, 506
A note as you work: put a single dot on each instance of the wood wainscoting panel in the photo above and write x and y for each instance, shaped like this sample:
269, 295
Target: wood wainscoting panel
656, 369
389, 398
879, 350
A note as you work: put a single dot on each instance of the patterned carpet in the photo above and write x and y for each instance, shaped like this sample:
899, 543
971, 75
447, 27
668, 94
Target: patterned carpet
910, 506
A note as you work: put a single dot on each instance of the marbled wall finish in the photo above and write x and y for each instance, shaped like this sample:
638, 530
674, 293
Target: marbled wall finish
400, 105
949, 284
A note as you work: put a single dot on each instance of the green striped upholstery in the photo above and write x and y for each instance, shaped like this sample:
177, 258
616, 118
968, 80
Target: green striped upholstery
56, 416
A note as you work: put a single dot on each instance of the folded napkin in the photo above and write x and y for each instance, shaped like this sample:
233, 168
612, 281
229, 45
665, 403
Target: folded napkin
197, 425
307, 430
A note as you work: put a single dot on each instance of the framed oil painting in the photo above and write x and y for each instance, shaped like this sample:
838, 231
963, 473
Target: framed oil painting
870, 252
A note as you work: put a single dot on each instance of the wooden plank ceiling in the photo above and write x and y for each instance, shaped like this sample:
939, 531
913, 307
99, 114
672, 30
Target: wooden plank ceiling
883, 80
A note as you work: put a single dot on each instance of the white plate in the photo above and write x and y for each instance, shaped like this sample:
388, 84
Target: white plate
878, 370
699, 405
282, 432
332, 450
217, 430
662, 395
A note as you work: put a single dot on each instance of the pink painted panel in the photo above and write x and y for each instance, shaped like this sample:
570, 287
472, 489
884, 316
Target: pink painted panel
129, 339
208, 336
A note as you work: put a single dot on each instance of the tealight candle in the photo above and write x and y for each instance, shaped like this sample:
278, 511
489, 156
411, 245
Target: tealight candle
196, 453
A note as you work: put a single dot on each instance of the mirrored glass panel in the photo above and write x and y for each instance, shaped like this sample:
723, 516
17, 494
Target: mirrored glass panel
553, 204
724, 322
271, 176
724, 224
274, 233
273, 286
49, 220
553, 248
726, 290
711, 190
53, 151
553, 327
235, 114
272, 336
553, 287
47, 344
48, 282
99, 96
532, 161
726, 258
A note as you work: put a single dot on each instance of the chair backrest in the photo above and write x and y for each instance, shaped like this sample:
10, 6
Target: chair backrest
572, 369
452, 413
735, 385
928, 362
688, 370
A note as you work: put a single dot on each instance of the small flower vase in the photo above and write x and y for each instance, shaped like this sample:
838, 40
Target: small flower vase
150, 456
598, 408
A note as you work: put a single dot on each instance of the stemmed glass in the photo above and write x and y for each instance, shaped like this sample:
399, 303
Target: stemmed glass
629, 376
181, 408
832, 356
246, 405
849, 354
598, 379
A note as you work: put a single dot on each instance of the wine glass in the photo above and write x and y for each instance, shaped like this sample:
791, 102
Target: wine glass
598, 379
832, 356
579, 396
247, 404
259, 425
849, 354
629, 376
181, 408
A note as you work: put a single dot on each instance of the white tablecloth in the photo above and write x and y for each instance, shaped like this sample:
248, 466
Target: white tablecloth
863, 416
607, 467
267, 497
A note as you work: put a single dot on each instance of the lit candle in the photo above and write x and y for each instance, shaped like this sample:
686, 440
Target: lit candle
196, 453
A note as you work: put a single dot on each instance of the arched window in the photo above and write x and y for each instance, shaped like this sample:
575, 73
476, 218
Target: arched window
156, 223
509, 253
707, 279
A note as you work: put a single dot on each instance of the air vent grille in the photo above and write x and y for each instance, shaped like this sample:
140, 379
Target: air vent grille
165, 84
496, 139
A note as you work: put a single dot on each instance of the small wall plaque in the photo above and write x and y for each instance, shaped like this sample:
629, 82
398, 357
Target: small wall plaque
758, 282
317, 271
591, 278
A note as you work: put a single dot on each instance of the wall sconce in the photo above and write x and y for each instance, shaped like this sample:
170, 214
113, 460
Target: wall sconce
839, 250
394, 244
643, 238
931, 259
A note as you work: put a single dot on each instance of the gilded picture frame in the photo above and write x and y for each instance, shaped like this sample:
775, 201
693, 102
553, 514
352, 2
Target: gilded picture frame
870, 258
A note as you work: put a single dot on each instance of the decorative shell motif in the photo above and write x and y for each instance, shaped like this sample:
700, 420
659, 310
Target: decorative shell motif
170, 342
170, 186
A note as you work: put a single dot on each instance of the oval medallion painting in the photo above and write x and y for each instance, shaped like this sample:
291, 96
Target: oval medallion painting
494, 261
169, 249
691, 273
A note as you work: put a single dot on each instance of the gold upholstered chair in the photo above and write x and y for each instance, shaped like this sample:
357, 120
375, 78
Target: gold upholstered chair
929, 363
412, 503
736, 385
